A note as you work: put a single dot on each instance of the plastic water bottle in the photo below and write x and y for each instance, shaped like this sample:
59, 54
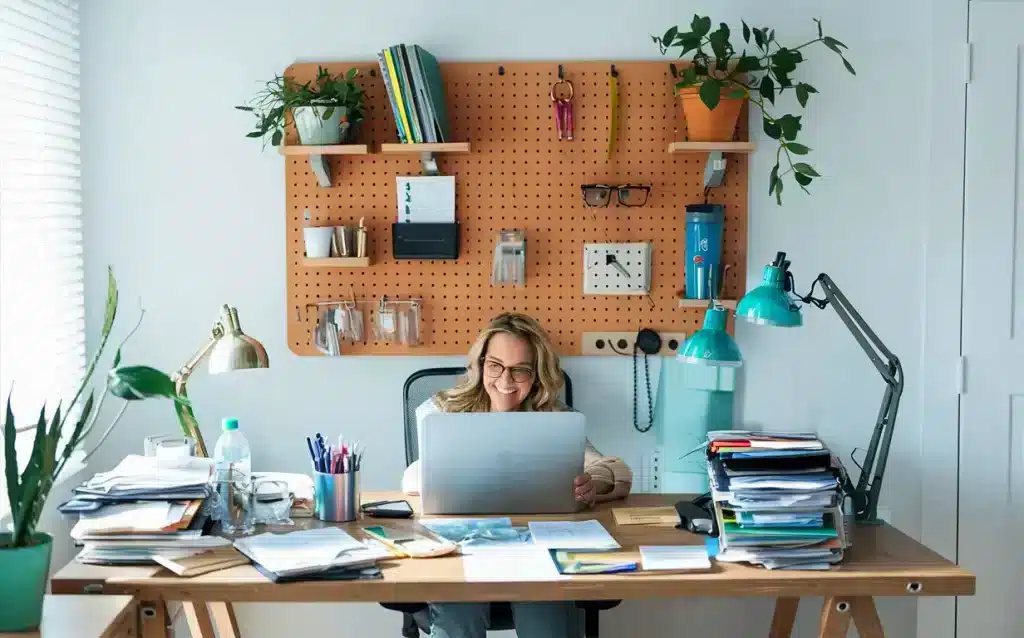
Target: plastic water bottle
234, 480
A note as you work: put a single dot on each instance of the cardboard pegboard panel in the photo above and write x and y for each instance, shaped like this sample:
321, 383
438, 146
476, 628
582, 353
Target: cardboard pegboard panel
517, 175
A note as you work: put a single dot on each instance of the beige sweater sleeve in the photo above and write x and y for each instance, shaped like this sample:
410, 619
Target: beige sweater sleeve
607, 471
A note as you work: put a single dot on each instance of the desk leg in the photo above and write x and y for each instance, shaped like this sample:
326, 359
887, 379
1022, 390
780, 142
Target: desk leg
224, 620
153, 619
838, 612
200, 625
785, 616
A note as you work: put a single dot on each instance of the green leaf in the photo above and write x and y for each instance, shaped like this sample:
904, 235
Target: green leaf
689, 77
805, 169
746, 32
773, 179
688, 42
351, 75
720, 44
700, 25
77, 432
328, 112
759, 39
768, 89
790, 126
255, 134
784, 61
711, 92
748, 63
802, 179
276, 138
670, 36
818, 22
11, 458
134, 383
110, 311
803, 91
736, 93
834, 44
849, 67
796, 148
244, 108
772, 129
771, 35
778, 192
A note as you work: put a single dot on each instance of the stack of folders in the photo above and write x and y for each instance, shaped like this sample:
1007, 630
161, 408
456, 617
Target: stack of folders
328, 553
412, 78
777, 498
144, 508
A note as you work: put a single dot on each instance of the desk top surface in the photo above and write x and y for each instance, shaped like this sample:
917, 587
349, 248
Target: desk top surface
882, 562
80, 617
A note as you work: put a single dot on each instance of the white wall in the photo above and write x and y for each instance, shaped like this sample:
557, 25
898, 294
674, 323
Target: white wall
189, 214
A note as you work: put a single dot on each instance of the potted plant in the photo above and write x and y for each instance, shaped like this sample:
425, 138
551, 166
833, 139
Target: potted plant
326, 110
714, 86
24, 550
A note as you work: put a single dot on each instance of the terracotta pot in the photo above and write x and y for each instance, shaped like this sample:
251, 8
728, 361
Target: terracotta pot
707, 125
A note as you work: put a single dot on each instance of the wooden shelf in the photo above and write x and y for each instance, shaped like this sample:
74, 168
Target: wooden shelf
336, 262
706, 147
703, 303
337, 149
447, 147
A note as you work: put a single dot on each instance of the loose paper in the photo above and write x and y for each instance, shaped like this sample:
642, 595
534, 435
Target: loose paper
508, 564
426, 199
571, 535
674, 557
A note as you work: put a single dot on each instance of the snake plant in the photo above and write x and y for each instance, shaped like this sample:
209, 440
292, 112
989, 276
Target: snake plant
54, 444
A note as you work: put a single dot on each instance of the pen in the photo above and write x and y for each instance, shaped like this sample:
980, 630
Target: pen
312, 452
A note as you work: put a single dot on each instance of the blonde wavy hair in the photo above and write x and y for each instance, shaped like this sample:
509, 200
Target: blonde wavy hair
469, 395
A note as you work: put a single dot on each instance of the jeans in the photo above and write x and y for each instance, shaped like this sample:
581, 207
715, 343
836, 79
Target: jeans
532, 620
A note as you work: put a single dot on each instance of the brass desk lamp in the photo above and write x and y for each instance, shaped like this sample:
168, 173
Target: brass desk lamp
229, 349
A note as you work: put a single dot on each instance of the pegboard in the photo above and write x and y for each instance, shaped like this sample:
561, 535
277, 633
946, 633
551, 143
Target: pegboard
517, 175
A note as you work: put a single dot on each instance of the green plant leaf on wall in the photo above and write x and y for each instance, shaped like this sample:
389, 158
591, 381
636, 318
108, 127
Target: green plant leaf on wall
803, 168
768, 88
849, 67
133, 383
670, 36
803, 180
772, 129
700, 26
11, 457
803, 91
790, 125
746, 32
796, 148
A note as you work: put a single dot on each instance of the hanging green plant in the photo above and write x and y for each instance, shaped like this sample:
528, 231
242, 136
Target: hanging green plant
716, 73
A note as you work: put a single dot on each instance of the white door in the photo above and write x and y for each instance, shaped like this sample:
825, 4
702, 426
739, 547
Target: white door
991, 499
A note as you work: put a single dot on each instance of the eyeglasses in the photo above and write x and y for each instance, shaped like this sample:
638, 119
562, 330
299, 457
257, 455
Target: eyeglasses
519, 374
599, 195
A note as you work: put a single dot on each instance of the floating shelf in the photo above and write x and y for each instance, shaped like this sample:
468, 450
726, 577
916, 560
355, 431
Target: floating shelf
317, 159
703, 303
336, 262
427, 152
707, 147
337, 149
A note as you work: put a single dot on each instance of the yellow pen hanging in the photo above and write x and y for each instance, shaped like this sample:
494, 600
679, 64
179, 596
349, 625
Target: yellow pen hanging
613, 122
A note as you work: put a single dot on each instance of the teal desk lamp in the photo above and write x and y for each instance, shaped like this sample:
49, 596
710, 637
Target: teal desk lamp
712, 345
773, 303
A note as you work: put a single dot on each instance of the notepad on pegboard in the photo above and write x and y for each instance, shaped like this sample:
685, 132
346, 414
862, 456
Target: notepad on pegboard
426, 200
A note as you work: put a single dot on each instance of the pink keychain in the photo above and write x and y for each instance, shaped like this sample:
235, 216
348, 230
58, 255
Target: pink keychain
563, 109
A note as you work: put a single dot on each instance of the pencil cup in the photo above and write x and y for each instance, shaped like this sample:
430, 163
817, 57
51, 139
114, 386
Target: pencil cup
336, 496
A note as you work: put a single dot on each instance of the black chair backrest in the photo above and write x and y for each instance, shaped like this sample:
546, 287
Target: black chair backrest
423, 384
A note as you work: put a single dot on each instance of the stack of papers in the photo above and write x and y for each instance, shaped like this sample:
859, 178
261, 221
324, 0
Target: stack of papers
308, 552
572, 535
674, 557
145, 507
777, 499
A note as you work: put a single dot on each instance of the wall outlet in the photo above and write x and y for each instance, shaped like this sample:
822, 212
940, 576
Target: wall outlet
617, 269
621, 343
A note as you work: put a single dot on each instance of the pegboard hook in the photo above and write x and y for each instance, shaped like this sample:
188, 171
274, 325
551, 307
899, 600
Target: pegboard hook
615, 73
323, 174
561, 72
714, 170
674, 71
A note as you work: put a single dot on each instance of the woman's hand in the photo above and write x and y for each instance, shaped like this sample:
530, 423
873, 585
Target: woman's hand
583, 489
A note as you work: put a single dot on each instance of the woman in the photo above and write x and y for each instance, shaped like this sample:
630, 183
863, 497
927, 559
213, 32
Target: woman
512, 366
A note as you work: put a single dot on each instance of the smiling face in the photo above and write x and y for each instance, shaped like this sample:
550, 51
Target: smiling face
508, 371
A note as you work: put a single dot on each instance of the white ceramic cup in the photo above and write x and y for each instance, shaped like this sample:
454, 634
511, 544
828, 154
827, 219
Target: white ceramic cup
318, 241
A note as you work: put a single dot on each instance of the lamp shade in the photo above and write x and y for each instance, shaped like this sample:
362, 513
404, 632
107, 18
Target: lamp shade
236, 350
712, 345
769, 304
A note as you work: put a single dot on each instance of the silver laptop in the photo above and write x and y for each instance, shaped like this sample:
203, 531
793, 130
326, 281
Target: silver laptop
501, 462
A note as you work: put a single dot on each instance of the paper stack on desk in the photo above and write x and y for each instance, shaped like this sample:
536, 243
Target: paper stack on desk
143, 508
777, 499
307, 553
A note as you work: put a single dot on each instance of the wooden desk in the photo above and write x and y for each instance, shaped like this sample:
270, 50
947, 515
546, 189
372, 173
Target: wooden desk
882, 562
84, 617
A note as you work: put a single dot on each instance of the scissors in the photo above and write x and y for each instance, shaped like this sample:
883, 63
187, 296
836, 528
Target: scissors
563, 109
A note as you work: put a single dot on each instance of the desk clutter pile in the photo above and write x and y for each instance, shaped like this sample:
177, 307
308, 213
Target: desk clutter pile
777, 499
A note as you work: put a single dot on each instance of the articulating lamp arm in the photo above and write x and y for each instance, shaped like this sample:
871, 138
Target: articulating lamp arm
866, 492
186, 417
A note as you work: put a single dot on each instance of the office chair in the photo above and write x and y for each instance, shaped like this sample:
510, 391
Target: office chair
420, 386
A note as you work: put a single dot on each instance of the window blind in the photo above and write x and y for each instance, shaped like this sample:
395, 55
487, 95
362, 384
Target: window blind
42, 309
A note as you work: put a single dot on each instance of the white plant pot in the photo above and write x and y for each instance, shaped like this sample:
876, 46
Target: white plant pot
314, 129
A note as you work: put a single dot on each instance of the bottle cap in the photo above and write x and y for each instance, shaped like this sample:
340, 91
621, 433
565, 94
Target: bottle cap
230, 424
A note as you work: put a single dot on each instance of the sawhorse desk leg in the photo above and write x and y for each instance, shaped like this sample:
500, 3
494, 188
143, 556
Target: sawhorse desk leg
836, 615
153, 621
211, 620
